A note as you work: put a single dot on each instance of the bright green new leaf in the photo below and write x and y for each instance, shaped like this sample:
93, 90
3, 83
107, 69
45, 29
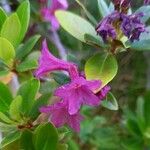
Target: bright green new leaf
7, 52
27, 65
10, 138
11, 29
15, 107
23, 13
28, 91
101, 67
103, 8
75, 25
45, 137
110, 102
26, 140
24, 50
5, 119
5, 97
3, 17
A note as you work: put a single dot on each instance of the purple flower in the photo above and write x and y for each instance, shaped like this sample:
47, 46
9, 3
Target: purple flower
79, 92
48, 63
106, 29
59, 116
146, 2
48, 13
103, 92
132, 26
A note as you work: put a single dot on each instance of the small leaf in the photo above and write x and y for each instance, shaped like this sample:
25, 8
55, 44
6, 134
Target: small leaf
103, 8
24, 50
62, 147
26, 140
27, 65
101, 67
10, 138
74, 24
28, 91
61, 78
5, 119
6, 128
110, 102
5, 97
6, 76
7, 52
15, 107
43, 100
11, 29
23, 13
3, 17
45, 137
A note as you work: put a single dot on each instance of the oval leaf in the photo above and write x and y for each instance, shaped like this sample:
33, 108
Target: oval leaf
3, 17
75, 25
101, 67
110, 102
7, 52
45, 137
11, 29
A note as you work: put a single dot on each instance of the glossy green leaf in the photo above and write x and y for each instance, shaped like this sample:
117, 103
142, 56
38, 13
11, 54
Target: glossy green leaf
75, 25
103, 8
101, 67
24, 50
3, 17
27, 65
15, 108
45, 137
7, 52
23, 13
28, 91
26, 142
43, 100
11, 29
10, 138
110, 102
5, 97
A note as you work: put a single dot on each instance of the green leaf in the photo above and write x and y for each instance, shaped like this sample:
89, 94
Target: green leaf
26, 140
15, 107
10, 138
146, 11
43, 100
89, 15
75, 25
7, 52
23, 13
101, 67
11, 29
28, 91
62, 147
6, 128
27, 65
5, 119
24, 50
147, 108
103, 8
94, 41
110, 102
5, 97
61, 78
3, 17
45, 137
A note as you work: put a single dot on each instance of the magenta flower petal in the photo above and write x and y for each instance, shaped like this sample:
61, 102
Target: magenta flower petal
59, 116
77, 93
48, 13
48, 63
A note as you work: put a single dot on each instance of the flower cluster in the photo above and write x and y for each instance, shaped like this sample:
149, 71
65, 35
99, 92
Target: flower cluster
119, 23
48, 12
71, 95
